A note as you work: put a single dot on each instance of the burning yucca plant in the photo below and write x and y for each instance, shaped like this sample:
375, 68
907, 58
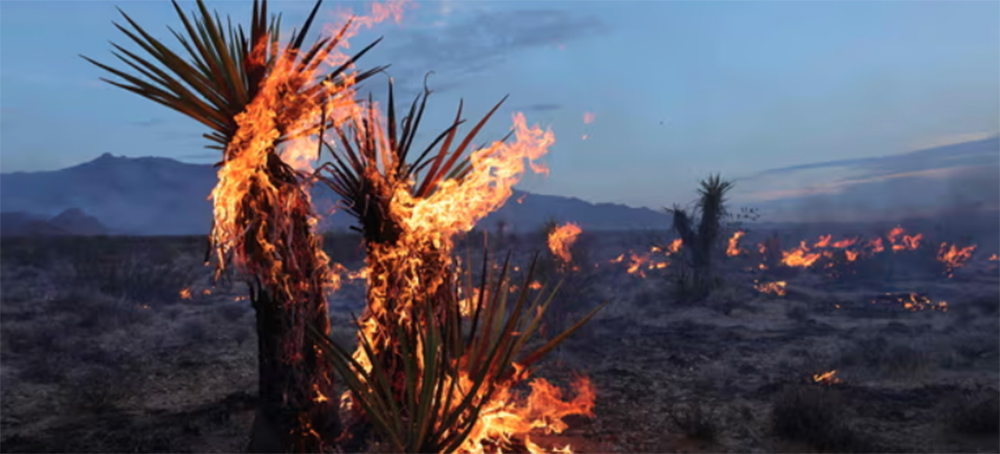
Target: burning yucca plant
407, 265
256, 94
459, 370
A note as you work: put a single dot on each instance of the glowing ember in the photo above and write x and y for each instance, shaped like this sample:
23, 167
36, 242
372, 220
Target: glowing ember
876, 245
185, 293
954, 257
827, 378
913, 302
733, 246
774, 288
844, 243
994, 258
561, 239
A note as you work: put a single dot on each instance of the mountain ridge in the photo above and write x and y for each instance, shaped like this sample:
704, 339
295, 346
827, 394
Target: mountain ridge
162, 196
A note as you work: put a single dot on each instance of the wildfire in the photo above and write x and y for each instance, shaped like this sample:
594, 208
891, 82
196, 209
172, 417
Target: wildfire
954, 257
913, 302
774, 288
827, 378
800, 256
733, 247
416, 265
561, 239
902, 242
675, 246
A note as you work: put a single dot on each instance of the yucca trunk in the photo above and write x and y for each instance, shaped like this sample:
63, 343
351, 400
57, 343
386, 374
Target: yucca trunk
289, 418
297, 407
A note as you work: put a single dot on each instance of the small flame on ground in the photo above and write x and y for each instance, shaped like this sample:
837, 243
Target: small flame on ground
185, 293
954, 257
561, 239
774, 288
827, 378
733, 246
675, 246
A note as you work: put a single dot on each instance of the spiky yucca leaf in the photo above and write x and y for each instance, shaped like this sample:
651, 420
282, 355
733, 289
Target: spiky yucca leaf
712, 206
373, 160
223, 69
438, 412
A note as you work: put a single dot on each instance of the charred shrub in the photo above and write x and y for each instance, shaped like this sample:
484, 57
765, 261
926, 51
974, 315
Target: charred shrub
977, 414
103, 389
100, 313
815, 415
145, 270
905, 360
194, 330
695, 421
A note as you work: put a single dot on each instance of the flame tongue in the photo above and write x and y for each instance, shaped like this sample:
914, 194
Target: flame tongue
561, 239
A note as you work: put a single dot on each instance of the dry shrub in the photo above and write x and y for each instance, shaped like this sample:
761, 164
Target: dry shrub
695, 421
103, 389
977, 414
905, 361
816, 415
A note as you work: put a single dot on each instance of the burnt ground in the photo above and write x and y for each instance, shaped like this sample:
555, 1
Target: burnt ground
99, 353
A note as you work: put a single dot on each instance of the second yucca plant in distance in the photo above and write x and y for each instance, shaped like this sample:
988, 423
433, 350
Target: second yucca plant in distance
702, 242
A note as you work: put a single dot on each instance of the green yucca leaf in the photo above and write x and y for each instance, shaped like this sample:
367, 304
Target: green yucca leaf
429, 416
218, 75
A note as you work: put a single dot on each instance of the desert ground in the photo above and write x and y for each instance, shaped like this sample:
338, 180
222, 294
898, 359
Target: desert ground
118, 344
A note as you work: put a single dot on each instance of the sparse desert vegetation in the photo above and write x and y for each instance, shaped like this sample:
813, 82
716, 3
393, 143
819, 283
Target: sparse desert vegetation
416, 333
90, 369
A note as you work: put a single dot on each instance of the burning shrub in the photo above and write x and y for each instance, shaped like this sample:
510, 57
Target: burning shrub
459, 372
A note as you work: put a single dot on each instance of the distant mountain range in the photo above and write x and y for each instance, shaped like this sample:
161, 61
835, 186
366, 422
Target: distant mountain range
70, 222
161, 196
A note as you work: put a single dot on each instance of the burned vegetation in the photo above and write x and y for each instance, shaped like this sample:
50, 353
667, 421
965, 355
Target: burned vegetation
423, 331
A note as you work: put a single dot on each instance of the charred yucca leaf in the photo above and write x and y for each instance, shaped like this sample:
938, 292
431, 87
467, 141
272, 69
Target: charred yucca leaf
454, 365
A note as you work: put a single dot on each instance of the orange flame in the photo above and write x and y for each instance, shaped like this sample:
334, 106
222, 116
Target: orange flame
845, 243
954, 257
774, 288
824, 241
993, 258
185, 293
561, 239
733, 247
675, 246
827, 378
800, 256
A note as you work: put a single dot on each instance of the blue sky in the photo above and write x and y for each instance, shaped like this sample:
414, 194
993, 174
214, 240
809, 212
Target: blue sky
679, 89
